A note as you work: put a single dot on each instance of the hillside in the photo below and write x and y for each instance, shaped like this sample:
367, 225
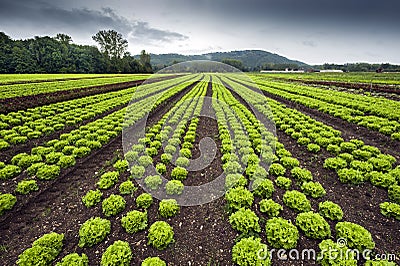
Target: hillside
251, 59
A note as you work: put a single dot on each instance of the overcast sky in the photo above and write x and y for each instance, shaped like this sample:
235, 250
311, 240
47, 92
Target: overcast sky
315, 32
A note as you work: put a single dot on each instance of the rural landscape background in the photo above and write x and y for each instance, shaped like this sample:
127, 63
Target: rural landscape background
202, 132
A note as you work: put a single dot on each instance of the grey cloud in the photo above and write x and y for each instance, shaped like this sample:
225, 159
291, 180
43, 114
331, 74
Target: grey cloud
38, 14
143, 30
309, 43
344, 13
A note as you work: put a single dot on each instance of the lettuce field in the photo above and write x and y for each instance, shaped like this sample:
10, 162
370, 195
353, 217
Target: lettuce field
201, 168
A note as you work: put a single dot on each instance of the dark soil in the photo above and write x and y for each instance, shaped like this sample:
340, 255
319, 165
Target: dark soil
202, 234
31, 101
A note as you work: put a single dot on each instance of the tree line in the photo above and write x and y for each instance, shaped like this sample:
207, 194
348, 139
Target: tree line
60, 55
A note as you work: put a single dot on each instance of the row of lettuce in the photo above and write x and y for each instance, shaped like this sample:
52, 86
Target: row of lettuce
352, 77
8, 79
140, 161
248, 150
25, 125
28, 89
375, 113
47, 162
280, 233
354, 161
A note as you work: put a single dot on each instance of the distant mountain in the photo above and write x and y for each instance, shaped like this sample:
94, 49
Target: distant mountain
251, 59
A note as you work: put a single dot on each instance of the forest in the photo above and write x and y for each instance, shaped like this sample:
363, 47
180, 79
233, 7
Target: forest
60, 55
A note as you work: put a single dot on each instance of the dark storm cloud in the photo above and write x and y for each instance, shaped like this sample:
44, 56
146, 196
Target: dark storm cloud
322, 12
84, 20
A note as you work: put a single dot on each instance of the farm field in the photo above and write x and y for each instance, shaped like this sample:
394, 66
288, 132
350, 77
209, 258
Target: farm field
119, 170
374, 83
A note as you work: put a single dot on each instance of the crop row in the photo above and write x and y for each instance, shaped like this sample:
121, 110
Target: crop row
378, 114
46, 162
37, 78
161, 234
169, 132
22, 126
280, 233
354, 161
17, 90
366, 77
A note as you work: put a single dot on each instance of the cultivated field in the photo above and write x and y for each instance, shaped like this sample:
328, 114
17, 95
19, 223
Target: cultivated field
298, 164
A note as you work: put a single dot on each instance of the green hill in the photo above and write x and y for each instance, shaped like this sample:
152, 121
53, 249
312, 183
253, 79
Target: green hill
251, 59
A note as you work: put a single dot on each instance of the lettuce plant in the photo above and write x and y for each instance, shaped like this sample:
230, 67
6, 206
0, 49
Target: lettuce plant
244, 221
330, 210
74, 259
351, 176
335, 163
153, 182
356, 236
26, 186
168, 208
270, 207
160, 235
313, 225
247, 252
92, 197
333, 254
137, 171
380, 179
239, 197
263, 188
301, 174
48, 172
235, 180
127, 188
43, 251
179, 173
153, 261
93, 231
313, 189
281, 233
296, 201
277, 169
119, 253
314, 148
107, 180
174, 187
144, 201
113, 205
121, 166
9, 171
134, 221
394, 193
390, 209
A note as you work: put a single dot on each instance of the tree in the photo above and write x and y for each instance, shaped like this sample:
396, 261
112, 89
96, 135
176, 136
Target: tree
5, 53
145, 62
111, 43
63, 38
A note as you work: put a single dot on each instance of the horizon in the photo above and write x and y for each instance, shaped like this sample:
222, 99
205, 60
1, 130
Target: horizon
311, 32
